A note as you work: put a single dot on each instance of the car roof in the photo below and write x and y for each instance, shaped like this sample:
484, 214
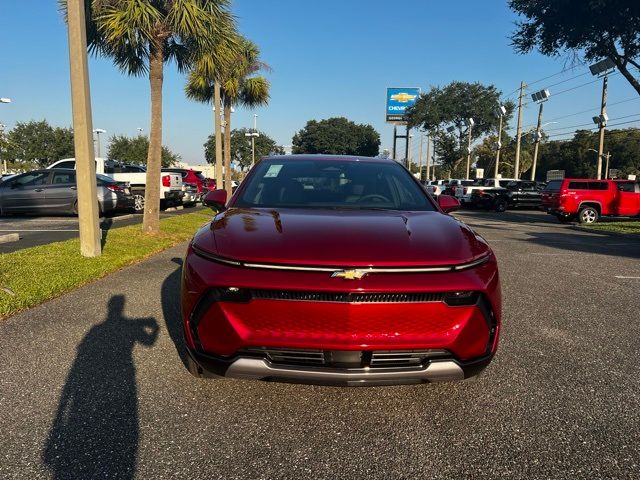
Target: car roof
322, 156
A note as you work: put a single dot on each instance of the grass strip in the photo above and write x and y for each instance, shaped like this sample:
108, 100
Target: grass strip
29, 277
615, 227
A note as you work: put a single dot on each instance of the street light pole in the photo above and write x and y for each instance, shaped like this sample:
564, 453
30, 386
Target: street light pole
99, 131
87, 204
253, 139
606, 168
603, 124
420, 158
536, 145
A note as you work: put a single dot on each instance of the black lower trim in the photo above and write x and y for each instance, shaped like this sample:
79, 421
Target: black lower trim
214, 365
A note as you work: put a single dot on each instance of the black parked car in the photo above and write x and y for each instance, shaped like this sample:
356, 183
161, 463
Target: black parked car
518, 193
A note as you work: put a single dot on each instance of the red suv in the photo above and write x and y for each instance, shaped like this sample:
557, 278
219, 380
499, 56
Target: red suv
587, 199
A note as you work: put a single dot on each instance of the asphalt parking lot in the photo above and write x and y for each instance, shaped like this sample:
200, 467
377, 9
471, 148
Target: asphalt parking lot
34, 230
92, 384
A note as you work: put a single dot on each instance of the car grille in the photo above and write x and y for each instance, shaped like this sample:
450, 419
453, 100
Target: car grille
353, 359
347, 297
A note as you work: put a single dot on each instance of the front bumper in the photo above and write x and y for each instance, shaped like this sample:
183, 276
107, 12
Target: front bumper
254, 368
226, 311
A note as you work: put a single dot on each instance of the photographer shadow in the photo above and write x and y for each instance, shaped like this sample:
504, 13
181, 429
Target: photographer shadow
96, 429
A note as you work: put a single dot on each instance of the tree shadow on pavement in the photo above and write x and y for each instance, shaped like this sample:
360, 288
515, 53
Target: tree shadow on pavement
590, 243
171, 309
95, 431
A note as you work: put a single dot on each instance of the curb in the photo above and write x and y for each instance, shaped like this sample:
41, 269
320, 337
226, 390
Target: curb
578, 228
9, 237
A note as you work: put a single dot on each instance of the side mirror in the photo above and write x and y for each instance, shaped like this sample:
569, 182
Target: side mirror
448, 203
215, 199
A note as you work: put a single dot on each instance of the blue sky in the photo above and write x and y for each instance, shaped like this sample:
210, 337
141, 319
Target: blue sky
329, 58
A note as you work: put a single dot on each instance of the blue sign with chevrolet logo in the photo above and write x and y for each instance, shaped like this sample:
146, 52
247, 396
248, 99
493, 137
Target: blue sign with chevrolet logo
398, 100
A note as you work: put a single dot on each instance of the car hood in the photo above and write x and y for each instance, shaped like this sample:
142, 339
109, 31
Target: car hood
340, 238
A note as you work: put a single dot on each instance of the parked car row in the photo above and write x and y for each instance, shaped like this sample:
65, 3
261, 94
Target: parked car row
54, 190
120, 187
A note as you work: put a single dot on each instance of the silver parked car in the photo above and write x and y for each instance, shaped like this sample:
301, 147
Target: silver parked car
54, 191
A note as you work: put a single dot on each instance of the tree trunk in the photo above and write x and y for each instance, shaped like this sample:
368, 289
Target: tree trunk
628, 75
151, 219
227, 149
218, 134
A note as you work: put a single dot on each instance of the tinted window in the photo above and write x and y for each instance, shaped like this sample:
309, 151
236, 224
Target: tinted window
31, 179
598, 186
578, 185
504, 183
553, 186
626, 186
68, 164
104, 179
332, 184
63, 178
467, 182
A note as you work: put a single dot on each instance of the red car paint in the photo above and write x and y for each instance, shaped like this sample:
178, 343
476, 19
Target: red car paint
566, 197
298, 238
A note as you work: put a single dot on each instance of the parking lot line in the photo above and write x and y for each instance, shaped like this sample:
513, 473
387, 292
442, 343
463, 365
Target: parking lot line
43, 230
622, 276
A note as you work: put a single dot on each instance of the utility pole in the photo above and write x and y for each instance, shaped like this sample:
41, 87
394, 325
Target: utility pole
499, 143
218, 133
98, 132
519, 131
87, 202
253, 139
420, 157
603, 124
406, 149
536, 146
470, 123
428, 177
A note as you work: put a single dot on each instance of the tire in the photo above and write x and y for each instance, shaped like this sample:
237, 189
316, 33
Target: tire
138, 201
588, 215
500, 205
74, 209
193, 368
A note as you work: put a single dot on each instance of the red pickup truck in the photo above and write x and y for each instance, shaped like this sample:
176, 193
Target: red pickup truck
587, 200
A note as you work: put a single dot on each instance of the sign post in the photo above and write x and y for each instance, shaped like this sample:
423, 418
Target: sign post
398, 100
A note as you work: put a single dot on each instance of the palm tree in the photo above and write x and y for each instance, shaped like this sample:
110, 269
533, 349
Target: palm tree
141, 36
239, 86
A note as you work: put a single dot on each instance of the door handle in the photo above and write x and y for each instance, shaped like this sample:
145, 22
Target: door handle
73, 188
38, 190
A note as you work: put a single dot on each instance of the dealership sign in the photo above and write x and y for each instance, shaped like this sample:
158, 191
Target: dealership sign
398, 100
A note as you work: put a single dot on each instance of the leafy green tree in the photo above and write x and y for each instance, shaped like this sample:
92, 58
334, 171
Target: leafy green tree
134, 150
239, 86
337, 136
452, 106
37, 143
485, 155
241, 147
593, 28
141, 36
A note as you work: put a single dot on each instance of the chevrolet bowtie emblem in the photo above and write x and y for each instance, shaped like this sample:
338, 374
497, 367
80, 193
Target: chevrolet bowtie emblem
349, 274
403, 97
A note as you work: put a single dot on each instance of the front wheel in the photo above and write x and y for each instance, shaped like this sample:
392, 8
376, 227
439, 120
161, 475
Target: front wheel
500, 205
588, 215
138, 201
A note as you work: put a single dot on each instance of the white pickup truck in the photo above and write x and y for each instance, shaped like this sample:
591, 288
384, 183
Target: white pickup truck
136, 176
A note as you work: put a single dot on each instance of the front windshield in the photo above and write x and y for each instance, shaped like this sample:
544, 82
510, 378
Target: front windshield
307, 183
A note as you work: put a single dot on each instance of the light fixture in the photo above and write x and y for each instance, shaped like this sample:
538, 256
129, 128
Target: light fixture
5, 100
500, 111
541, 96
603, 67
